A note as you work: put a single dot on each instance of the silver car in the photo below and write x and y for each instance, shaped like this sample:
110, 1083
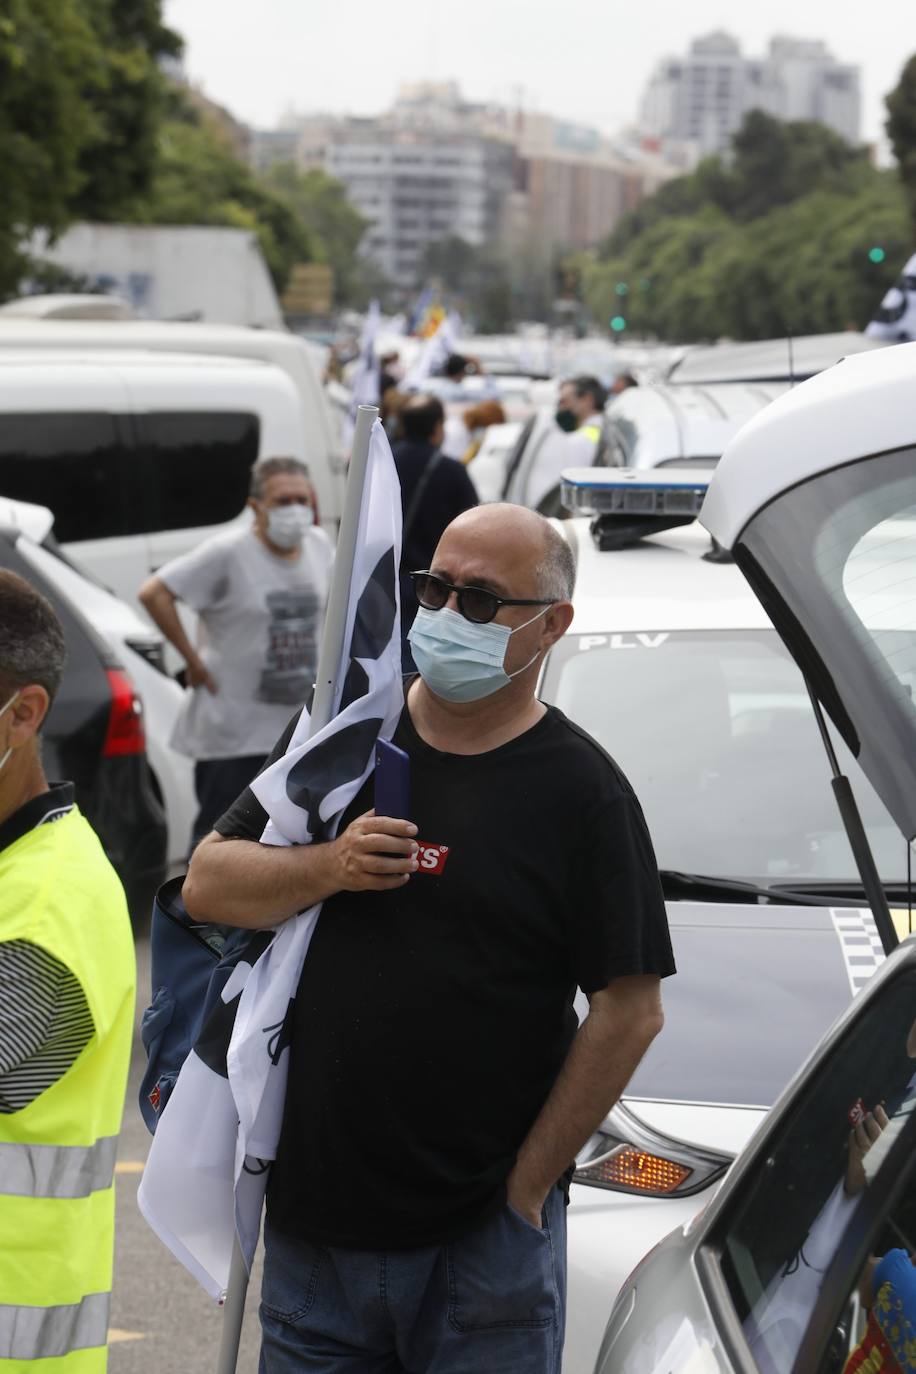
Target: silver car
800, 1263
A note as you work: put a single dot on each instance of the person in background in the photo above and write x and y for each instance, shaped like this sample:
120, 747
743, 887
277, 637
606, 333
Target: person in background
434, 489
477, 419
622, 382
67, 976
580, 408
260, 594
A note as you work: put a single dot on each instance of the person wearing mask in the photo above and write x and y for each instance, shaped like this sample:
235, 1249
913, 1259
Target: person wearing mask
439, 1087
434, 489
259, 593
67, 975
580, 411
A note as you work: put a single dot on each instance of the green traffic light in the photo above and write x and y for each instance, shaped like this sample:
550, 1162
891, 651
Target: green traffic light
621, 288
618, 324
876, 254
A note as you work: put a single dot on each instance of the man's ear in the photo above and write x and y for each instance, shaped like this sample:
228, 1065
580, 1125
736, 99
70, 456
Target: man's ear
556, 622
27, 714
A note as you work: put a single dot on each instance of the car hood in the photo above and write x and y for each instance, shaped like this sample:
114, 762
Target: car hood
744, 1012
816, 499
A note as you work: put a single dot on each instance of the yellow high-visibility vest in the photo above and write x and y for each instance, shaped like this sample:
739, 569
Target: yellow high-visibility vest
57, 1155
592, 432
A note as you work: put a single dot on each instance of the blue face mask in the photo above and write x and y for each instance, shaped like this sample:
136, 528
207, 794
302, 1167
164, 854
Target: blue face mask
459, 660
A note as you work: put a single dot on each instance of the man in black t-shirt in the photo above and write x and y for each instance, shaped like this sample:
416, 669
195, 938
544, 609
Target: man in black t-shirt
439, 1088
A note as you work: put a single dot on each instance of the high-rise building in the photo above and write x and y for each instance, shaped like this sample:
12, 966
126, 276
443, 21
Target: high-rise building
436, 166
699, 101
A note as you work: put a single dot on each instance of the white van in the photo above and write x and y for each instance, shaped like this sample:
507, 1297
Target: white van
139, 455
295, 356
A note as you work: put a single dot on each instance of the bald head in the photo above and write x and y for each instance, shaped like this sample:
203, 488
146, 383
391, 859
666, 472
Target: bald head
501, 533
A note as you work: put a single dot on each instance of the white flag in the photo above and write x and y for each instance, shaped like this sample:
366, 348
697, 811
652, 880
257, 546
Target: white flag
206, 1172
435, 353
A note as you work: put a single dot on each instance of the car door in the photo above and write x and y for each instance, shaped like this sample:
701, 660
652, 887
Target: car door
787, 1252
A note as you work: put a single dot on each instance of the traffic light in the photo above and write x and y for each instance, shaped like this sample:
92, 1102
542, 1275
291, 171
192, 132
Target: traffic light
621, 288
876, 254
618, 324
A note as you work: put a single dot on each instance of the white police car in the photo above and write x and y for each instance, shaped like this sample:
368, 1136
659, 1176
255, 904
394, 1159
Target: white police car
673, 666
817, 500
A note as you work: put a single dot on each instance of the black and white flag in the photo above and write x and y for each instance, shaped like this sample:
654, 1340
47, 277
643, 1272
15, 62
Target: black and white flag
205, 1177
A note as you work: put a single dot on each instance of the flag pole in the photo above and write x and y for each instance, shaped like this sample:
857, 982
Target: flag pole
329, 656
335, 622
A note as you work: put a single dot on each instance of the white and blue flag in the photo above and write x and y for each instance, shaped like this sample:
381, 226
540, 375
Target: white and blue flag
206, 1172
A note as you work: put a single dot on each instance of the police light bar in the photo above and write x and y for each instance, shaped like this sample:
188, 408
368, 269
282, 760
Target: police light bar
630, 492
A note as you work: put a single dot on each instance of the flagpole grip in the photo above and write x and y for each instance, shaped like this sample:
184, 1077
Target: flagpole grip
335, 624
233, 1313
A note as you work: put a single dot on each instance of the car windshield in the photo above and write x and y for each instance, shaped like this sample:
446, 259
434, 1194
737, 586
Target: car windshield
716, 733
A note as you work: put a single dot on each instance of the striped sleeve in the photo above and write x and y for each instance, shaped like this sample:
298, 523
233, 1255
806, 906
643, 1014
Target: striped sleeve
45, 1022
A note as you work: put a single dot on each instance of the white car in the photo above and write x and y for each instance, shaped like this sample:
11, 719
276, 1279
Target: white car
817, 502
138, 646
673, 666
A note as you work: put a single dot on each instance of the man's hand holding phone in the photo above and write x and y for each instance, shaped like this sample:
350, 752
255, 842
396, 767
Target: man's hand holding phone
375, 853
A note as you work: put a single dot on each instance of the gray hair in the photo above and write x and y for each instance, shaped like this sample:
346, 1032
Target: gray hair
265, 468
556, 568
32, 647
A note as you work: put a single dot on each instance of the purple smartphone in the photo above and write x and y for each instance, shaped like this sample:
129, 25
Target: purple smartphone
392, 781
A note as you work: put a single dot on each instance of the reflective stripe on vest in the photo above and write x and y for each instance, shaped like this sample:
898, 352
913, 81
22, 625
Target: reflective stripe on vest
57, 1170
40, 1333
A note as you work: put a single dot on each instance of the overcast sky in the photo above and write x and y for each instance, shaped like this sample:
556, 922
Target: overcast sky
584, 60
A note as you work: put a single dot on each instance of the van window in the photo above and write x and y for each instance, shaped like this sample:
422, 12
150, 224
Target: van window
72, 463
196, 467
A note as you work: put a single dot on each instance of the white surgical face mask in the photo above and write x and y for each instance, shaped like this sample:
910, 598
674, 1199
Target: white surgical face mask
3, 708
286, 525
459, 659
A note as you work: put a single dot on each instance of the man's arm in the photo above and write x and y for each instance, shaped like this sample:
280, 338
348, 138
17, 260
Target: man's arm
246, 883
623, 1020
159, 603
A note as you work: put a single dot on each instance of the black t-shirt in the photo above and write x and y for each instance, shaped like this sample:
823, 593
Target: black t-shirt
431, 1021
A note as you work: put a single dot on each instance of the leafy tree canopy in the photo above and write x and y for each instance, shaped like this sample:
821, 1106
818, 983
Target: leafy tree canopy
774, 238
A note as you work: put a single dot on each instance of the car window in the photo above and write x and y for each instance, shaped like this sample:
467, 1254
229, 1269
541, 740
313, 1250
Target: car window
196, 467
74, 463
834, 559
794, 1222
716, 733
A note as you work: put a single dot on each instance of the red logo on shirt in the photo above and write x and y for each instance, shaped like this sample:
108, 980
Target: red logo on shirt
155, 1098
432, 857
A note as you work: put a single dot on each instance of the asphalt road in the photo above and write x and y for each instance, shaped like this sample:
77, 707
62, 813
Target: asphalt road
162, 1322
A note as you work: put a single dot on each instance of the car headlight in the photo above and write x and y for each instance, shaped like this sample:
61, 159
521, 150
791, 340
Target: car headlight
628, 1156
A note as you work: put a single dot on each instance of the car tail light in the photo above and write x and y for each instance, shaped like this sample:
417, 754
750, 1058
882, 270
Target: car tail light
125, 734
630, 1157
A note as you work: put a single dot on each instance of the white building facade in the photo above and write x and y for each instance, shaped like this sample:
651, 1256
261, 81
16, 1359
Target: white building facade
698, 102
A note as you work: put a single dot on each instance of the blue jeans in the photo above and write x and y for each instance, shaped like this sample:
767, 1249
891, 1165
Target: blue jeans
491, 1302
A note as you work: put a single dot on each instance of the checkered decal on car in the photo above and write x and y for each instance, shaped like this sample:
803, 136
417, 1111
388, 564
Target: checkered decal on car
860, 943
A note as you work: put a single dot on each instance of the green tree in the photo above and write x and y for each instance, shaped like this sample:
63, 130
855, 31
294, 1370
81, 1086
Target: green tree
47, 50
126, 93
901, 130
337, 227
197, 179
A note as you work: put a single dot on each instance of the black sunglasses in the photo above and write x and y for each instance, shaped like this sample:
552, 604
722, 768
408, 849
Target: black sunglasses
474, 603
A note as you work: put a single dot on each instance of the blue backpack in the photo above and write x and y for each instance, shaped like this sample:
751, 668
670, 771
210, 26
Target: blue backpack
191, 964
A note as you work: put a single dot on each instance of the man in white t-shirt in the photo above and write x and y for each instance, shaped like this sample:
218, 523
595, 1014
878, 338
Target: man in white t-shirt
260, 595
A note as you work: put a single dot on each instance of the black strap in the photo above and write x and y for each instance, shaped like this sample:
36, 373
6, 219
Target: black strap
418, 493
